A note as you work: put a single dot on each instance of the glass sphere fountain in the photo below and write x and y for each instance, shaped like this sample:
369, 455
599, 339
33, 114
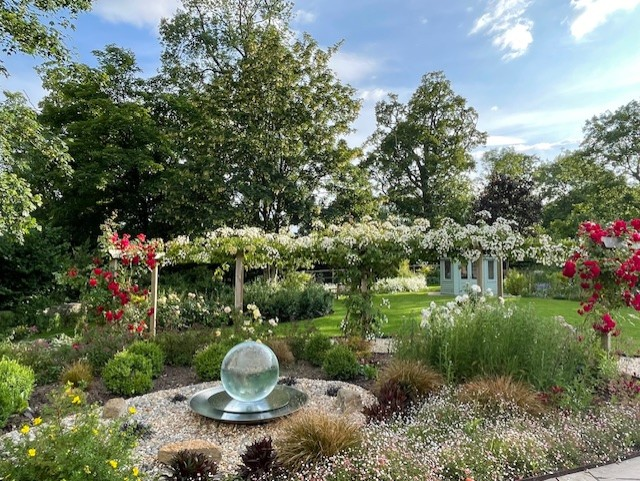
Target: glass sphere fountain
250, 392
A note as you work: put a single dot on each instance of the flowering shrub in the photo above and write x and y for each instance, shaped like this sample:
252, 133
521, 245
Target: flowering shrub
607, 266
400, 284
76, 448
113, 295
473, 335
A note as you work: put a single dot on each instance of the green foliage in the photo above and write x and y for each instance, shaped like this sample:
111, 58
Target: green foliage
208, 361
16, 385
47, 359
611, 140
117, 146
515, 283
279, 81
340, 363
288, 302
128, 374
422, 150
88, 448
26, 272
496, 341
100, 343
189, 465
575, 187
179, 347
77, 375
152, 351
362, 319
315, 348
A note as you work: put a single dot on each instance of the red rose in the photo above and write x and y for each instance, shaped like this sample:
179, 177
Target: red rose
569, 269
93, 282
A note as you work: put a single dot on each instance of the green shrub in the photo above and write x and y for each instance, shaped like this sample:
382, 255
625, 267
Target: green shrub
128, 374
100, 343
315, 348
341, 363
289, 300
89, 448
502, 341
179, 347
152, 351
208, 361
16, 385
46, 359
516, 283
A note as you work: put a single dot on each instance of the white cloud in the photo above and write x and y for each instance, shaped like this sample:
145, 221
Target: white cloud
135, 12
495, 108
424, 20
505, 22
594, 13
373, 95
303, 16
500, 140
351, 67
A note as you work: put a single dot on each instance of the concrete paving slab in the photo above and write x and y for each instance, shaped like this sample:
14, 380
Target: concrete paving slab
628, 470
581, 476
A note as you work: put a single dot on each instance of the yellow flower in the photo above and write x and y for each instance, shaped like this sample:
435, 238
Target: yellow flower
76, 400
136, 472
25, 429
94, 431
87, 469
113, 463
132, 410
37, 421
31, 452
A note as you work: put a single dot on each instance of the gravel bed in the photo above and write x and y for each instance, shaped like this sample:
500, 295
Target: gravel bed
172, 421
630, 365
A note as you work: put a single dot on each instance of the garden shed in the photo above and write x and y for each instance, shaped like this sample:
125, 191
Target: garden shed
456, 275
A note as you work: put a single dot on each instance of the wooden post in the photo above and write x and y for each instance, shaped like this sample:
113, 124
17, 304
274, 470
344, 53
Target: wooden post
154, 301
499, 272
481, 273
239, 281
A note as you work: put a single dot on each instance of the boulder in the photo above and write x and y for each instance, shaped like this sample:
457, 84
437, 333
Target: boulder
114, 408
348, 401
200, 446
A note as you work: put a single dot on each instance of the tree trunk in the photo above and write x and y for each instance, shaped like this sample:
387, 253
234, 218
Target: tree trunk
239, 281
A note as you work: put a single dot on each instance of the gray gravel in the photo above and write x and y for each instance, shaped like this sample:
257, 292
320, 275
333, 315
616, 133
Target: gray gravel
174, 421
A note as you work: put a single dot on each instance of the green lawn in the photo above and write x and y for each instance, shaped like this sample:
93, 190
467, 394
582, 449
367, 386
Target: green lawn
406, 307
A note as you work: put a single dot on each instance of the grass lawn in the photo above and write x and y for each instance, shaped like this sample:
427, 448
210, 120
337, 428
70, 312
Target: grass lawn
407, 307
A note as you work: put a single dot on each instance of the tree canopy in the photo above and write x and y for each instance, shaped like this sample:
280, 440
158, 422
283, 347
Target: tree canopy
422, 150
33, 26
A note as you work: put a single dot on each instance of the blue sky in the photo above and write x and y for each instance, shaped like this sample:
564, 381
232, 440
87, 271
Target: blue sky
535, 70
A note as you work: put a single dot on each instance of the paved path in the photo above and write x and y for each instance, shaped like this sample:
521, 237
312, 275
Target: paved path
628, 470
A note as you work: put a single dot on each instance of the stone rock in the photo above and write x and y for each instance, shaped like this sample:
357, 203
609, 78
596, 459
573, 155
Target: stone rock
114, 408
348, 401
200, 446
67, 309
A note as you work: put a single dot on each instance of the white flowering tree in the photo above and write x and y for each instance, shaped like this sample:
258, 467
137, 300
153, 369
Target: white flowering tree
249, 247
364, 252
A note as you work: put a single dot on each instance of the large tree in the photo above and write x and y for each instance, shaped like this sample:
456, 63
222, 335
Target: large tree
575, 188
510, 197
421, 150
508, 161
31, 158
117, 148
613, 140
33, 26
269, 114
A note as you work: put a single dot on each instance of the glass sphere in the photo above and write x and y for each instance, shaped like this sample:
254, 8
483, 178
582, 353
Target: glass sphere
249, 371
